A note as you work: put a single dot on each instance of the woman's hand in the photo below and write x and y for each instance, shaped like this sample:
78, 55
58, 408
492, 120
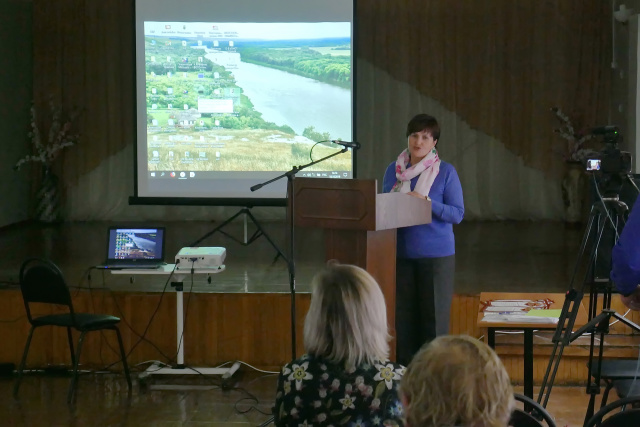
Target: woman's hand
418, 195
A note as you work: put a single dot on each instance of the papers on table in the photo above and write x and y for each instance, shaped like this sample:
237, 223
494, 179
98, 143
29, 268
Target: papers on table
519, 311
518, 318
552, 313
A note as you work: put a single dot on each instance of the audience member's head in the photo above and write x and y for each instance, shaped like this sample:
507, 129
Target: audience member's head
347, 319
456, 381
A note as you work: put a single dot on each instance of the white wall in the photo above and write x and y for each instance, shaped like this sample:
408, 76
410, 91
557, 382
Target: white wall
625, 82
633, 100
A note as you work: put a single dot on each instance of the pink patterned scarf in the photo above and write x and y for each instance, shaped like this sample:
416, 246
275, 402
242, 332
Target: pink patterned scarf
427, 168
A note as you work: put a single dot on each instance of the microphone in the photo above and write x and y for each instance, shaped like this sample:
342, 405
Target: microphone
354, 145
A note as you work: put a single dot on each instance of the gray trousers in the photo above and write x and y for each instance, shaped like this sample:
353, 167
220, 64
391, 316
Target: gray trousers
424, 291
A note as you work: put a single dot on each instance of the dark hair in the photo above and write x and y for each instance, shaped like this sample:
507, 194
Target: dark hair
424, 122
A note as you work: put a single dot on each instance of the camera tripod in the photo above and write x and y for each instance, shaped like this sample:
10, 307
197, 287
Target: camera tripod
606, 219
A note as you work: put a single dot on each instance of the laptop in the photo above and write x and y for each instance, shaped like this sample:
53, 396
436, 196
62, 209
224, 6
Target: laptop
135, 247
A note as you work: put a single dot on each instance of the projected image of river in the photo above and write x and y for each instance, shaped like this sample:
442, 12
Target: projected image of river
289, 99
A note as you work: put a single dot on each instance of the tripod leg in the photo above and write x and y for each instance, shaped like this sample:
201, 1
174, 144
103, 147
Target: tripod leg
561, 338
245, 226
564, 336
266, 236
556, 356
583, 246
593, 387
218, 228
554, 364
570, 309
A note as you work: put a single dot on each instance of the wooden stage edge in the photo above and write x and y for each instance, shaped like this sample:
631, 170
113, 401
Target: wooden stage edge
251, 327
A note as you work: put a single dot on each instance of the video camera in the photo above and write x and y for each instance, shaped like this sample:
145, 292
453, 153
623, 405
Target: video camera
610, 160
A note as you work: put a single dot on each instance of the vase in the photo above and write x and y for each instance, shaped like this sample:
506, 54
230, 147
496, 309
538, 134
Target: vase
573, 191
48, 198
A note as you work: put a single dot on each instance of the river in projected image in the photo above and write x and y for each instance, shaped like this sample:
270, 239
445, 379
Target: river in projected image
288, 99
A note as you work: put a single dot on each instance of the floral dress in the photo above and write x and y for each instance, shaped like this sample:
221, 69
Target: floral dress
312, 391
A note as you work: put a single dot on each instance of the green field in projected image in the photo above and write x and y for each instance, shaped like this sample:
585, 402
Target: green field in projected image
199, 117
235, 150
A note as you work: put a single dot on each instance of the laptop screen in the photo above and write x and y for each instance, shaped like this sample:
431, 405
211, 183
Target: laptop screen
136, 244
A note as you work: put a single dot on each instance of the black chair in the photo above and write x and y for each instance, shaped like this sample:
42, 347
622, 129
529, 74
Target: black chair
613, 371
625, 418
41, 281
627, 388
532, 417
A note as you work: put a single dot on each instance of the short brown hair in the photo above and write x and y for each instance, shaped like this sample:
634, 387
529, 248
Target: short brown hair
457, 380
424, 122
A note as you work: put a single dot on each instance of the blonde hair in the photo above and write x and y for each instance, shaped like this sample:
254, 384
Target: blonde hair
347, 319
457, 380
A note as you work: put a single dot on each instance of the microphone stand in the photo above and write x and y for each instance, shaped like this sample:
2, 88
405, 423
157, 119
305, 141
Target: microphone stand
290, 175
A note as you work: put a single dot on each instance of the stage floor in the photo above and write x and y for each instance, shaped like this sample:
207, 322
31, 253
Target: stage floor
42, 402
491, 256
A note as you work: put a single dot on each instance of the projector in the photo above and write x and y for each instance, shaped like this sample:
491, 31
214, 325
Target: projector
200, 257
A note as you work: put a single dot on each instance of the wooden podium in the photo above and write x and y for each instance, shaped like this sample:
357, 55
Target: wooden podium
360, 226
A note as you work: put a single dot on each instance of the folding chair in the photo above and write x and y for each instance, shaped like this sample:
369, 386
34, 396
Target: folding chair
41, 281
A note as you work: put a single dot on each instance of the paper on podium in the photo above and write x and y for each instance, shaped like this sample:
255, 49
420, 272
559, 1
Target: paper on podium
395, 210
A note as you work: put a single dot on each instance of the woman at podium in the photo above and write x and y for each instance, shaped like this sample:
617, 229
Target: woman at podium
426, 253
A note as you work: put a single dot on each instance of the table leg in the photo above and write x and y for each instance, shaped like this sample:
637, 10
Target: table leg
528, 362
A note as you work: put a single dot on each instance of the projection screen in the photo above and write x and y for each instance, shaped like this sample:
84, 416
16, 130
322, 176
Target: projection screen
233, 93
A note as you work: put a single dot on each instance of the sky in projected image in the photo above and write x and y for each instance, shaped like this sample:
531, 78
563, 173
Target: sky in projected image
246, 96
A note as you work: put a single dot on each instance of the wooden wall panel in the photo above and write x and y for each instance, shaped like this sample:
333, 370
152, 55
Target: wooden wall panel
464, 311
254, 328
572, 370
251, 327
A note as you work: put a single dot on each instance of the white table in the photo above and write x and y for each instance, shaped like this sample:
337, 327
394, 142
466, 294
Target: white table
178, 277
